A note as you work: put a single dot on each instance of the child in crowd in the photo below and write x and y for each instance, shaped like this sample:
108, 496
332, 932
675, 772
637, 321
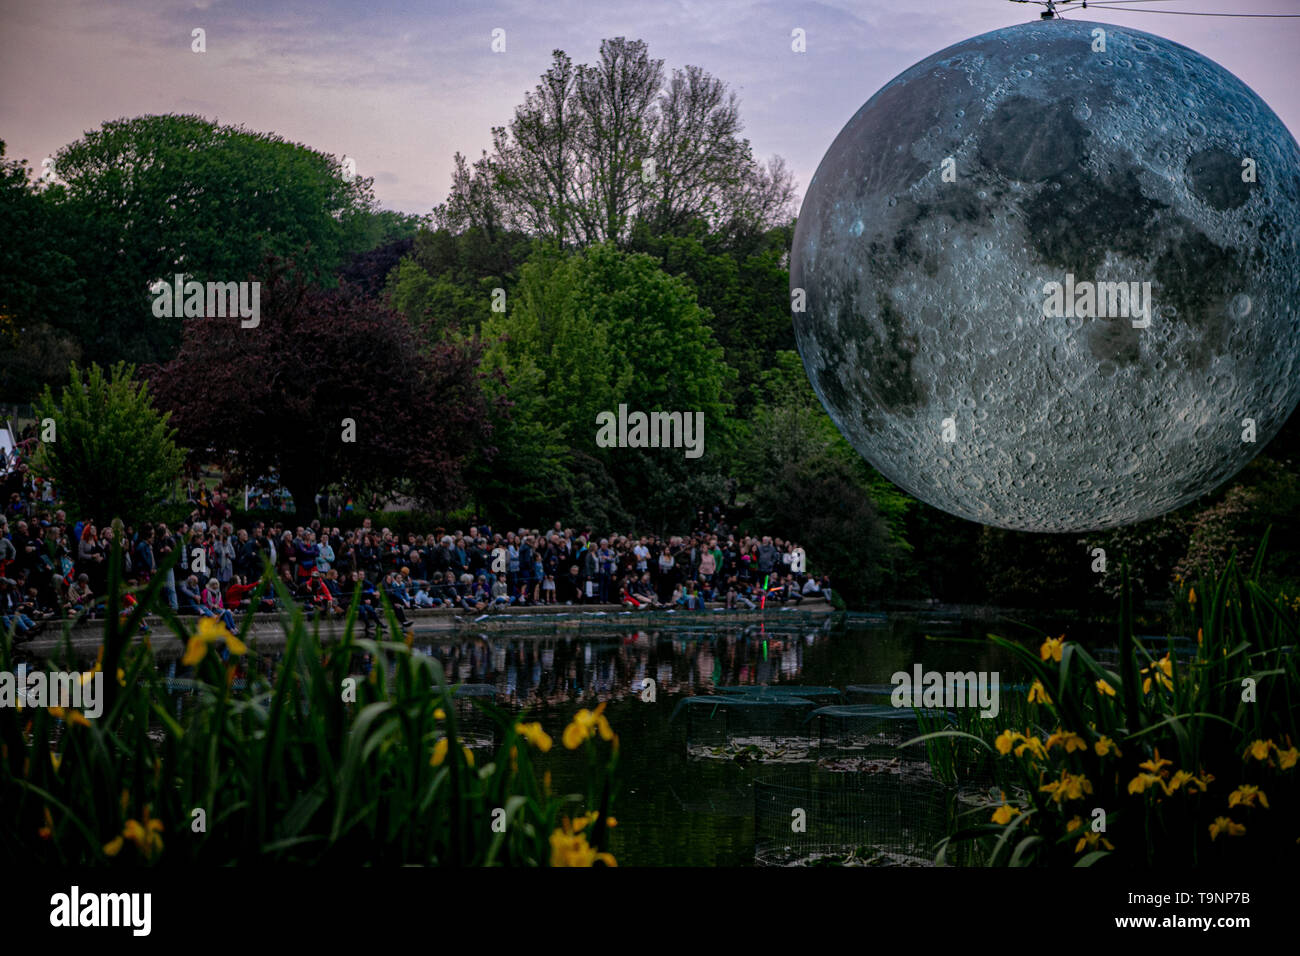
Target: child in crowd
79, 598
500, 591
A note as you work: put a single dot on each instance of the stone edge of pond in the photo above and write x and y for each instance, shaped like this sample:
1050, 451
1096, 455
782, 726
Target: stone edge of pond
267, 629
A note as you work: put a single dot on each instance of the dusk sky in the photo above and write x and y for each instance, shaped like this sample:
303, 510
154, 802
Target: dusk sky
401, 86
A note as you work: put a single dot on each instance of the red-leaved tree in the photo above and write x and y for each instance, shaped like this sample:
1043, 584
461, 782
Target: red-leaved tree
322, 367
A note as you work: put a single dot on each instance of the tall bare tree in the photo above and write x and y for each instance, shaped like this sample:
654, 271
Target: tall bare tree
592, 150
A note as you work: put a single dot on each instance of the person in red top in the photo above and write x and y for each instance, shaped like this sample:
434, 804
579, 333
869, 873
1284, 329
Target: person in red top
323, 596
237, 592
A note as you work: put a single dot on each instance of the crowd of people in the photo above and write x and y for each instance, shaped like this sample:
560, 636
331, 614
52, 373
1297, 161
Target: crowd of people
53, 566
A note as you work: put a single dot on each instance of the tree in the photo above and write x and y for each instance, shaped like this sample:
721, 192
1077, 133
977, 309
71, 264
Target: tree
593, 330
329, 387
109, 452
160, 195
39, 286
819, 503
595, 149
745, 285
449, 280
386, 238
810, 485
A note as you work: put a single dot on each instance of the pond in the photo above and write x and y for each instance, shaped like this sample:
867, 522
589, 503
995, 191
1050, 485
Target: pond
675, 809
713, 786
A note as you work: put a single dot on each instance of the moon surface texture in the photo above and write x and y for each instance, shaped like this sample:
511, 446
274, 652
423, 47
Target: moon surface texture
943, 212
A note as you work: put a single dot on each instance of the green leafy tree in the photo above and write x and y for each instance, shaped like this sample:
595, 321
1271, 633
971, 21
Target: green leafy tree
810, 485
530, 470
744, 283
587, 332
160, 195
39, 286
110, 452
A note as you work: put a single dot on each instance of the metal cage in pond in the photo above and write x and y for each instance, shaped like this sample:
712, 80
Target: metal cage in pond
847, 819
818, 695
745, 726
476, 727
867, 729
869, 693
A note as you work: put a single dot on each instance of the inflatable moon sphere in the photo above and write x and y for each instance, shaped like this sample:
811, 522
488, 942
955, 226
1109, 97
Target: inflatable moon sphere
964, 254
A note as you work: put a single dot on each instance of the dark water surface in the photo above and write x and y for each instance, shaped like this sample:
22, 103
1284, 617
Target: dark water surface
674, 809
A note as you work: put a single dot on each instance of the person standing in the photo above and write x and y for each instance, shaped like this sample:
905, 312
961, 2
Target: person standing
164, 546
667, 566
767, 557
590, 573
525, 577
142, 561
223, 556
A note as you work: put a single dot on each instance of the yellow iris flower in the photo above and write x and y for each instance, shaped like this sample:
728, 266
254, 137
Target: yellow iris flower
1067, 739
1105, 688
569, 847
534, 734
1246, 795
1006, 740
440, 754
1104, 746
1287, 758
1004, 814
1052, 648
1038, 693
146, 835
1087, 838
1091, 839
1259, 749
1071, 786
1156, 763
1225, 825
210, 631
73, 717
1033, 745
1142, 782
1180, 778
587, 723
1162, 671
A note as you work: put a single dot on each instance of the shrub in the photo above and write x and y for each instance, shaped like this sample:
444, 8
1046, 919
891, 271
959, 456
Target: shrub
1185, 755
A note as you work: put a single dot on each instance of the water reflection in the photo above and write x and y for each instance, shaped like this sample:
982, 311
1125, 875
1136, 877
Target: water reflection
554, 670
676, 808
